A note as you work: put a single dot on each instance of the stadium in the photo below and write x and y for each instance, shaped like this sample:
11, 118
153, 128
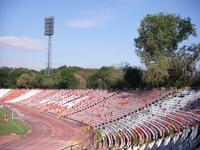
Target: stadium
118, 75
155, 119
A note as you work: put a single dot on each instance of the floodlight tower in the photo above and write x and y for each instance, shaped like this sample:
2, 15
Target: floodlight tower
49, 31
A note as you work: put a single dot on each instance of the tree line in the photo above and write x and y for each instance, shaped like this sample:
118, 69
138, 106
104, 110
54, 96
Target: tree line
75, 77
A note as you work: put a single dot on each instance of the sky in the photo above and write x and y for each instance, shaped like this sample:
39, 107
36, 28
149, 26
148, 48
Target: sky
88, 33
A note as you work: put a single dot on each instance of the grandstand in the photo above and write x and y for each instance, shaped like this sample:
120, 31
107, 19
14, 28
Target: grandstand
9, 95
132, 119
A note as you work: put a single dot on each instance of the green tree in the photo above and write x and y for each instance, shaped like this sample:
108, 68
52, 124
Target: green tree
105, 77
9, 76
157, 73
4, 73
134, 77
195, 80
42, 80
100, 79
183, 66
26, 80
161, 34
64, 78
68, 79
47, 82
158, 46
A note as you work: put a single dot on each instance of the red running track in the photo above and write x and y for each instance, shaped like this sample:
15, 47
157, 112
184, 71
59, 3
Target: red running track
47, 132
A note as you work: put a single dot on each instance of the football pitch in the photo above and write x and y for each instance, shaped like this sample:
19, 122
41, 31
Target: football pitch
11, 126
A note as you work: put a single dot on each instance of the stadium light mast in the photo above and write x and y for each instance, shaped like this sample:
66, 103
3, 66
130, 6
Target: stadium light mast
49, 31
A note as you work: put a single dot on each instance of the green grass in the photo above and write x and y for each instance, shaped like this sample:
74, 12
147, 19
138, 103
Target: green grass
12, 125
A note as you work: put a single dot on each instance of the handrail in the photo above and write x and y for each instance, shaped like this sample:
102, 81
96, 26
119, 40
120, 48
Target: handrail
79, 145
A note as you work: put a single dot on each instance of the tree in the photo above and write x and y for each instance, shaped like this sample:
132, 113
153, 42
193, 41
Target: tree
4, 72
26, 80
133, 76
195, 80
184, 64
68, 79
42, 80
158, 46
105, 77
161, 34
100, 79
9, 76
47, 81
64, 78
157, 73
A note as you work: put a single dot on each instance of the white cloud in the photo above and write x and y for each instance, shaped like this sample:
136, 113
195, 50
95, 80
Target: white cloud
22, 43
91, 19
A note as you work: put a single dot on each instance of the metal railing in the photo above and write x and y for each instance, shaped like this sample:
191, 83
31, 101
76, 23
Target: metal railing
87, 144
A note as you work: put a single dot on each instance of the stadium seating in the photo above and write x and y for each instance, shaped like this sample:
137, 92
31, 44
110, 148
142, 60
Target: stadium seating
165, 124
25, 96
131, 119
12, 95
3, 92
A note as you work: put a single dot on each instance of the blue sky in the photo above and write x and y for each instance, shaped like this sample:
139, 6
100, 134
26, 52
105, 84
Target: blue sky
88, 33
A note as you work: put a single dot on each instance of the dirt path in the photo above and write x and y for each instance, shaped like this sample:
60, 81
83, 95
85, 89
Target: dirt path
47, 132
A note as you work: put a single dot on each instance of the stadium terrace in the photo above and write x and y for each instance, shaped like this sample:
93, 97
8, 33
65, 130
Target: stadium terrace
132, 119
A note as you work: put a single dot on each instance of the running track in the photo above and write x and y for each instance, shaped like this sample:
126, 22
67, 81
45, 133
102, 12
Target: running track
47, 132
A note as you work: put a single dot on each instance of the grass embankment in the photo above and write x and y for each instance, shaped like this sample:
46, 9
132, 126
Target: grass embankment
11, 125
